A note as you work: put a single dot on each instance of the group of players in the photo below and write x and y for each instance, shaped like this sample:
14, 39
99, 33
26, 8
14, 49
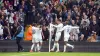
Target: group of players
37, 35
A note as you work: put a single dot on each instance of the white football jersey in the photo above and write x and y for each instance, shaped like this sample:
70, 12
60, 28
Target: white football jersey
67, 29
39, 33
35, 34
59, 27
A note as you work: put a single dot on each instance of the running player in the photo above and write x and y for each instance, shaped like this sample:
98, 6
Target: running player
67, 30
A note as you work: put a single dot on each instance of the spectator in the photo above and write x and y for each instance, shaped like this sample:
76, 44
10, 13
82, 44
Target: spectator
99, 30
68, 21
84, 29
78, 21
23, 6
45, 33
21, 15
38, 18
1, 32
11, 21
1, 2
85, 19
74, 32
94, 28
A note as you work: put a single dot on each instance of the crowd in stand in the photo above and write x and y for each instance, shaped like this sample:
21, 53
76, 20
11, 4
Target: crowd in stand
83, 13
11, 14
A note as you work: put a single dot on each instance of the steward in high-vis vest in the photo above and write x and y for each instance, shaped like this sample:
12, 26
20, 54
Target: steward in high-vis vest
28, 33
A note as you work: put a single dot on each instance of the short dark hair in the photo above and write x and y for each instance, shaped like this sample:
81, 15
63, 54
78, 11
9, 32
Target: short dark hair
34, 24
59, 19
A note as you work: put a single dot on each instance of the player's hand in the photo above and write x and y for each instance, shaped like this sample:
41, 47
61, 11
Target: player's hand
51, 24
92, 31
43, 37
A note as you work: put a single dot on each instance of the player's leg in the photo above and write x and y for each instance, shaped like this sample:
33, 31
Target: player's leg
69, 45
57, 46
56, 41
54, 46
40, 42
35, 48
33, 44
65, 42
37, 45
32, 47
66, 38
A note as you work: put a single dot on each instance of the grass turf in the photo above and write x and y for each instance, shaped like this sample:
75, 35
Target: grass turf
49, 54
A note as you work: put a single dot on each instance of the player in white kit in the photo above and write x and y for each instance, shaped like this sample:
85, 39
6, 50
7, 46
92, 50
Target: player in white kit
58, 34
36, 38
67, 30
40, 34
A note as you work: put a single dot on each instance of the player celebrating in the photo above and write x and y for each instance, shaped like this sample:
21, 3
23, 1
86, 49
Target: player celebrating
67, 30
36, 37
58, 34
40, 34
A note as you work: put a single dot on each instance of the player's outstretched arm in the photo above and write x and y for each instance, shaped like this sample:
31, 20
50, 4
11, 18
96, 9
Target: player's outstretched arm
62, 29
75, 27
56, 26
35, 28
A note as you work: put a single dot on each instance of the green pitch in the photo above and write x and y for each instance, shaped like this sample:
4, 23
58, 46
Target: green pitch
49, 54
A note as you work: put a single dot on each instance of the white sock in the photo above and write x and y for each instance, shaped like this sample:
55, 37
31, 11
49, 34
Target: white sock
57, 46
32, 46
38, 47
35, 48
65, 48
69, 45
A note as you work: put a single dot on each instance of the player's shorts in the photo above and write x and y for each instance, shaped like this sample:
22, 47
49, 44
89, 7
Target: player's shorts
66, 37
57, 37
40, 40
36, 40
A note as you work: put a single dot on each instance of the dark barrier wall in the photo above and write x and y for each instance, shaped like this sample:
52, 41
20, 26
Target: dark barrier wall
10, 46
